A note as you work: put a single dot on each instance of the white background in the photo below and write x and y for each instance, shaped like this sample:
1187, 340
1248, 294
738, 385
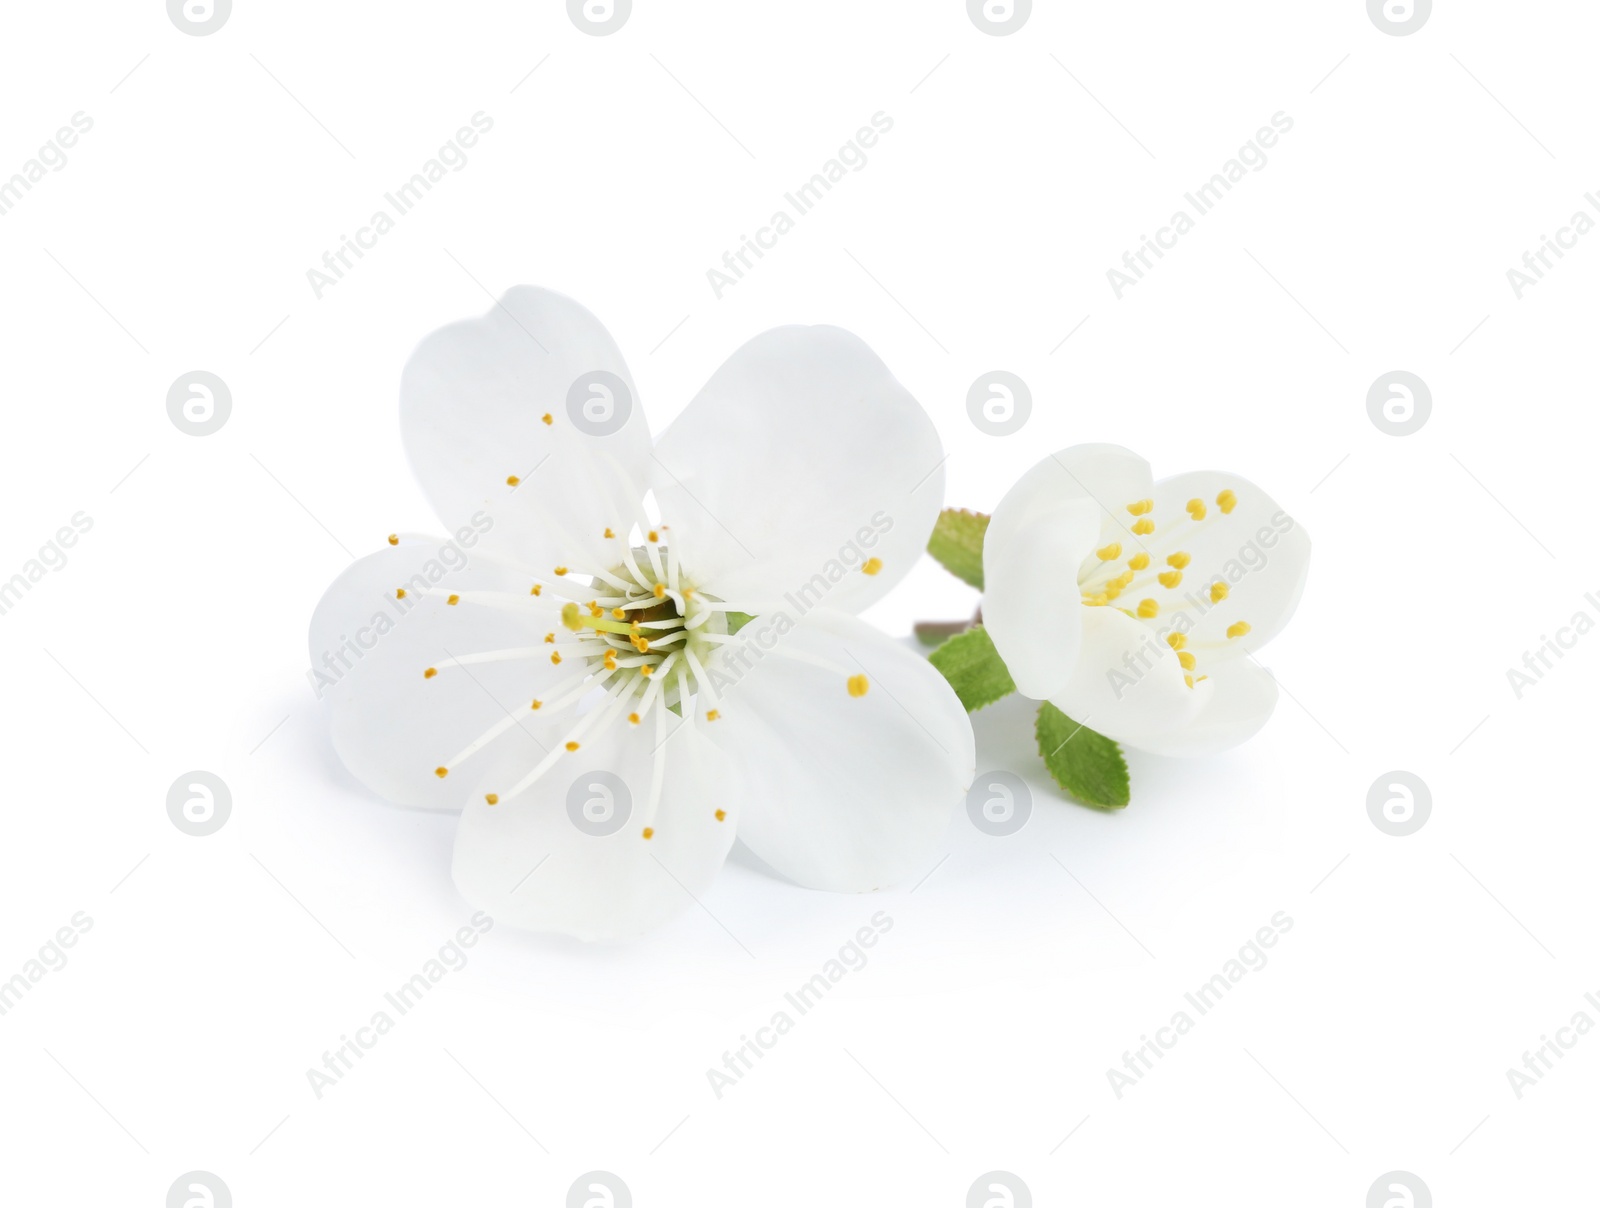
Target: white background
218, 970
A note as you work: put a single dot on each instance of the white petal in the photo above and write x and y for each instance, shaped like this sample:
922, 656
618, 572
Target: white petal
530, 865
844, 793
1236, 700
1258, 549
1044, 529
391, 724
1127, 683
472, 399
797, 462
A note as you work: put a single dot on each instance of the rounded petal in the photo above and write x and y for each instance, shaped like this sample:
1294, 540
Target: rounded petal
844, 792
503, 398
371, 648
1238, 698
569, 855
801, 461
1127, 683
1255, 549
1039, 534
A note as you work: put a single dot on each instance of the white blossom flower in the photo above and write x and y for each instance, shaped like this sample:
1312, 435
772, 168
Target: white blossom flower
1132, 605
569, 668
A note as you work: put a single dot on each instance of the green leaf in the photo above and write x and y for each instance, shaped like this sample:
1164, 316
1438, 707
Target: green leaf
973, 667
737, 620
957, 544
1087, 765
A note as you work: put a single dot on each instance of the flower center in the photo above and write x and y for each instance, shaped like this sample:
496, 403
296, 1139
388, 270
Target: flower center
1152, 576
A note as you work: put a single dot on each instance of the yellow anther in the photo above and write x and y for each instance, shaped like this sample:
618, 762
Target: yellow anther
572, 746
492, 798
648, 831
1177, 641
1189, 679
547, 418
394, 538
688, 593
1143, 506
561, 570
660, 590
1122, 580
512, 480
1238, 629
1227, 501
642, 645
550, 639
536, 590
430, 673
596, 611
619, 614
555, 658
721, 814
1138, 561
1109, 552
856, 685
441, 773
1196, 508
609, 534
712, 715
1170, 578
538, 704
1113, 590
399, 593
1098, 601
454, 599
872, 566
1178, 560
647, 670
1186, 660
1148, 608
653, 535
1219, 592
1143, 528
633, 719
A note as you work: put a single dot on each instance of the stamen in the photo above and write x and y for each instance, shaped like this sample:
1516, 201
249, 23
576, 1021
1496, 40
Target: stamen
1143, 528
712, 715
394, 538
872, 566
492, 798
720, 815
430, 673
1114, 550
1186, 660
1148, 608
512, 480
1238, 629
1177, 641
1170, 578
454, 599
1141, 507
648, 832
441, 773
1227, 501
1178, 560
1196, 508
1219, 592
856, 685
547, 418
1139, 561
